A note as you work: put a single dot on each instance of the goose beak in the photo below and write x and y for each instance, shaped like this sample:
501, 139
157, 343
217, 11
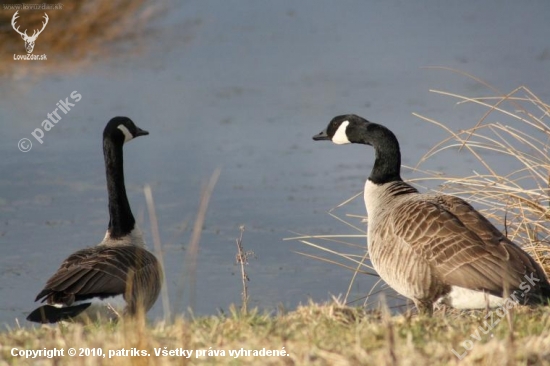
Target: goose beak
321, 136
141, 132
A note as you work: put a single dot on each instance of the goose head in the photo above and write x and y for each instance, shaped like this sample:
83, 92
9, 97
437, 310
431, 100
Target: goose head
352, 129
349, 128
121, 130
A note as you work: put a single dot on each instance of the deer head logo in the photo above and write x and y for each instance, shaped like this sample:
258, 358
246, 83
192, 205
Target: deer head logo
29, 41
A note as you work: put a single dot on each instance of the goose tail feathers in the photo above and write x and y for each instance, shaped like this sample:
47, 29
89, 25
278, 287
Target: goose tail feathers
51, 314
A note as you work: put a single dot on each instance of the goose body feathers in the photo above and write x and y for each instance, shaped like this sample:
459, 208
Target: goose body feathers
435, 248
104, 272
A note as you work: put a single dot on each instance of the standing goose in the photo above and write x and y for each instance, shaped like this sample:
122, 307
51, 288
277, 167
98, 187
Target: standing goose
119, 267
434, 247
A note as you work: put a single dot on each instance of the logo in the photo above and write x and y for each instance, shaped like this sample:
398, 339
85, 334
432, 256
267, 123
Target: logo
29, 40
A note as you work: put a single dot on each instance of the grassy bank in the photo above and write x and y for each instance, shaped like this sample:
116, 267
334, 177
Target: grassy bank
312, 335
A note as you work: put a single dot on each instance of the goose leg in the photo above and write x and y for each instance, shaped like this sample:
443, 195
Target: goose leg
424, 307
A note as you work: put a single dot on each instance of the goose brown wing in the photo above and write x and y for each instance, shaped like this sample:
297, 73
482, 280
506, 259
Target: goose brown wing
524, 264
99, 271
463, 247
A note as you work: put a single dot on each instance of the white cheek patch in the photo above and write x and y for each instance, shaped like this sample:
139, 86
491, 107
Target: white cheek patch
340, 136
127, 135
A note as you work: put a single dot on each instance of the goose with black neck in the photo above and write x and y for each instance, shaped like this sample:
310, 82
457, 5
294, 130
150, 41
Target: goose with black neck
95, 282
434, 248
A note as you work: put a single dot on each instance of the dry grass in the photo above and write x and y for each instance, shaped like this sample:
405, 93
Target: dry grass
241, 259
515, 192
330, 334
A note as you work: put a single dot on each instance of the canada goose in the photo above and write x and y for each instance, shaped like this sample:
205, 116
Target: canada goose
119, 267
434, 247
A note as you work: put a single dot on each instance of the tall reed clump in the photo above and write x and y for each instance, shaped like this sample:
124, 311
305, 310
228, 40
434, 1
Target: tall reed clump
515, 192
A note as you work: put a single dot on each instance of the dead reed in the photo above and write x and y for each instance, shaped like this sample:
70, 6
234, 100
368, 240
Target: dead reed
242, 260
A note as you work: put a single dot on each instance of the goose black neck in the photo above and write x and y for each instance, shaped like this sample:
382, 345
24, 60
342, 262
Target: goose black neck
121, 220
387, 164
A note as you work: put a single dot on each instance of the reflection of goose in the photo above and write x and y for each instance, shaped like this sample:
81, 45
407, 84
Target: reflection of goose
119, 268
434, 247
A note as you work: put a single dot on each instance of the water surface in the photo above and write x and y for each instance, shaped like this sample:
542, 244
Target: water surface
242, 86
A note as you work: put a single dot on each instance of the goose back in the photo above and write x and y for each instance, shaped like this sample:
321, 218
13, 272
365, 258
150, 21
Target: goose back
103, 272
